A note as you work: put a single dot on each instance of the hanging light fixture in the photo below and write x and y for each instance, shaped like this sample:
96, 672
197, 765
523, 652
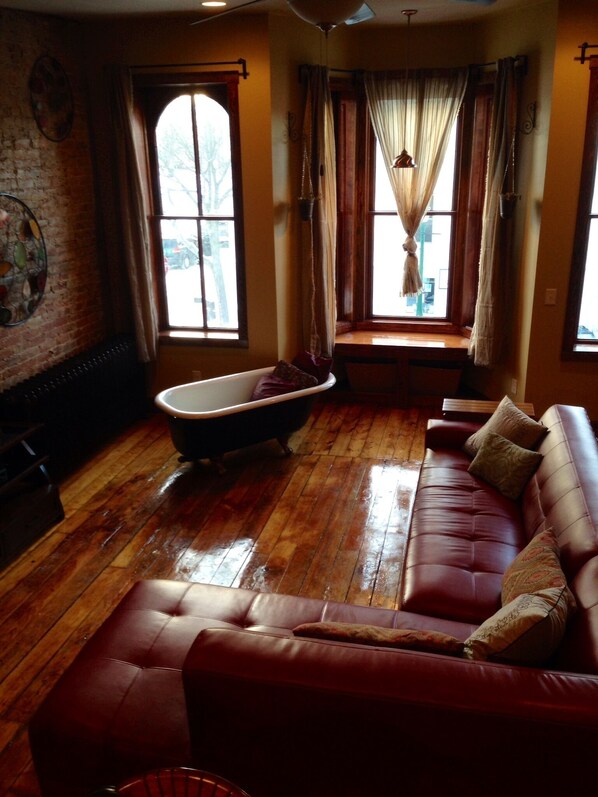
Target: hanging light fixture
405, 160
325, 15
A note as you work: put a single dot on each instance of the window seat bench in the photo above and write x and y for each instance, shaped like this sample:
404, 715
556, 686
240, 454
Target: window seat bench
410, 366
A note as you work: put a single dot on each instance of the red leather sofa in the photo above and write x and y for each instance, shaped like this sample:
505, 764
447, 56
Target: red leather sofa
213, 677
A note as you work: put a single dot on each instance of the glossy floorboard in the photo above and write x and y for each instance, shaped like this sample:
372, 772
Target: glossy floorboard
328, 521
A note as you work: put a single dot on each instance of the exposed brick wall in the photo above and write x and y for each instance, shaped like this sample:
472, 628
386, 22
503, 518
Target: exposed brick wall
55, 179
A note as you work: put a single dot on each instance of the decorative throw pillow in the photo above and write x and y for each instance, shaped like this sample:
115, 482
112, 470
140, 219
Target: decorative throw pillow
269, 385
428, 641
527, 630
535, 568
504, 465
314, 364
510, 422
290, 373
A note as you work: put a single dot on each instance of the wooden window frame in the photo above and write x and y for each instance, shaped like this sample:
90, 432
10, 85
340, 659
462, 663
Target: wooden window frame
355, 159
573, 347
153, 92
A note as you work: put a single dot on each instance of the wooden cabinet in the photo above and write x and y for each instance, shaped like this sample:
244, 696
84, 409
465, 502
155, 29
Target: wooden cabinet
29, 501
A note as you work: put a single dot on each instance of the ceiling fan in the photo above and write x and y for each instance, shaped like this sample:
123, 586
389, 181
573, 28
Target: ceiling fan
327, 14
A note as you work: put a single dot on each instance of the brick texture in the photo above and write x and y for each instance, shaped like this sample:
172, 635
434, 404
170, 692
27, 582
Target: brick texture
55, 179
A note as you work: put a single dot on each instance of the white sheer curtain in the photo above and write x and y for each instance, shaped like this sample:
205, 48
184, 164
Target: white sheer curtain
488, 332
415, 113
319, 234
134, 213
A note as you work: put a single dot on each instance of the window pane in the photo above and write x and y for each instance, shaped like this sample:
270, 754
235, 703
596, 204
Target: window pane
433, 250
183, 276
442, 198
176, 159
588, 315
213, 134
218, 238
433, 242
383, 196
200, 273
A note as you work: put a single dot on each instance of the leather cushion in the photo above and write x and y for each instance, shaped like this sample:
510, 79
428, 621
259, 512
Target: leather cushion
463, 536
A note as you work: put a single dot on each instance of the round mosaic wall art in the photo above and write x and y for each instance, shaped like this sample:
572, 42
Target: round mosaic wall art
23, 261
51, 98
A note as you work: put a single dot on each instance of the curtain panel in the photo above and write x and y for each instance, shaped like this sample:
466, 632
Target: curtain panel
416, 113
488, 335
319, 233
134, 213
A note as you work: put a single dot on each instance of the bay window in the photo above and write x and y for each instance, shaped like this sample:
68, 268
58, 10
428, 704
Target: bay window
370, 233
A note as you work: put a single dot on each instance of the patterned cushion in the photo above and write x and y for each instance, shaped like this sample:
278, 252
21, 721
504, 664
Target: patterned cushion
535, 568
268, 386
527, 630
504, 465
285, 378
290, 373
510, 422
314, 364
431, 641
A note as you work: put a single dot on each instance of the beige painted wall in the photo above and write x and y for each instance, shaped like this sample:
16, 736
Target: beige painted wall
530, 31
549, 379
274, 47
173, 40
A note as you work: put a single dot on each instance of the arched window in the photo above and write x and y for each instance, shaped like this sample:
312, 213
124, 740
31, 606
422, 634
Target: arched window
368, 280
192, 132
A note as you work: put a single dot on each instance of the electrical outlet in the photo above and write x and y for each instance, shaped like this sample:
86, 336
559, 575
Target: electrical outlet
513, 387
550, 296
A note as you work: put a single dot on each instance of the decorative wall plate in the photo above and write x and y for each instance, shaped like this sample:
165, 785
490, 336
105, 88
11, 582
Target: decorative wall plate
23, 261
51, 98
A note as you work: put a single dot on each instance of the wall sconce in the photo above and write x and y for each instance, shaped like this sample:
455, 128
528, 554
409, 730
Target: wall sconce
530, 123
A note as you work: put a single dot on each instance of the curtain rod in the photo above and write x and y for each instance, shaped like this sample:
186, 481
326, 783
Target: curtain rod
583, 57
241, 62
522, 58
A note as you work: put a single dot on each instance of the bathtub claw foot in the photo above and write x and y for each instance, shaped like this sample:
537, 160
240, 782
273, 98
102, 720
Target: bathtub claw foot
218, 463
284, 442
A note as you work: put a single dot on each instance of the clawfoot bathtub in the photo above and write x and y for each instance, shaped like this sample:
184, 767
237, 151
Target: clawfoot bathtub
214, 416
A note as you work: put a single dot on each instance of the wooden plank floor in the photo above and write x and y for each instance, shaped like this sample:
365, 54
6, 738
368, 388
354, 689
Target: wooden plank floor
327, 522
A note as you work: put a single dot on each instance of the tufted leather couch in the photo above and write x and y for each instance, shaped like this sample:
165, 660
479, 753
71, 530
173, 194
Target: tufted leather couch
170, 680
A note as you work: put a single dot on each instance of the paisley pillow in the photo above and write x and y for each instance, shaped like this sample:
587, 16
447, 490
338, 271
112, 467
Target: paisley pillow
536, 567
290, 373
528, 630
363, 634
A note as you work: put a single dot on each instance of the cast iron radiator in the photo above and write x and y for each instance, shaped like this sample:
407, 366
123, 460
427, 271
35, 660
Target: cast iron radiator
82, 401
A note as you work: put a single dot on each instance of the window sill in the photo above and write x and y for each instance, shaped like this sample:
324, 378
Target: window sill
432, 344
187, 337
402, 326
580, 352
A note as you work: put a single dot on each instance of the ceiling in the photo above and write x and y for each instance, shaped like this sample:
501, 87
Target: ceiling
387, 11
